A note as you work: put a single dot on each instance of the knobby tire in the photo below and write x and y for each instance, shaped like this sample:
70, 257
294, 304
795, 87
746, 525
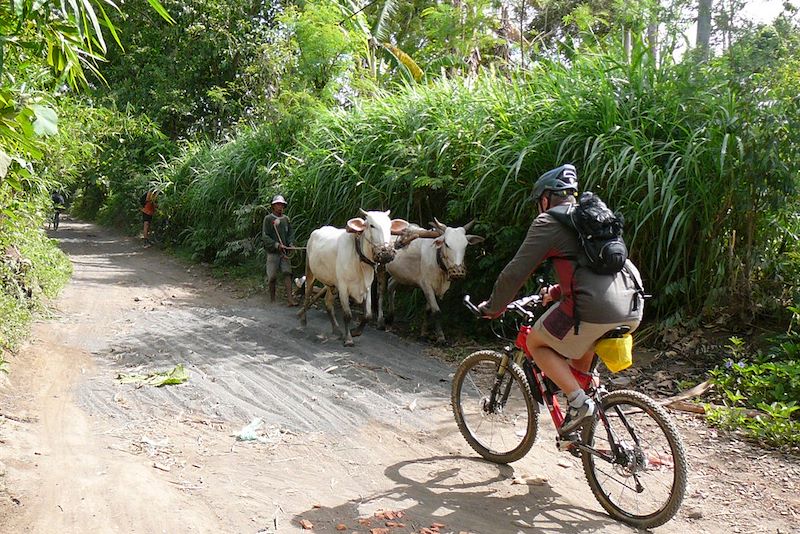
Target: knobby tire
592, 465
517, 375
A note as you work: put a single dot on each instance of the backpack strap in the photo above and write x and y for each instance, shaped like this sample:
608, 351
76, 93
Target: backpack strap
639, 294
563, 214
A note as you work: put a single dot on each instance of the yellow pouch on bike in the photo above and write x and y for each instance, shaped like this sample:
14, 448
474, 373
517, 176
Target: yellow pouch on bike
616, 352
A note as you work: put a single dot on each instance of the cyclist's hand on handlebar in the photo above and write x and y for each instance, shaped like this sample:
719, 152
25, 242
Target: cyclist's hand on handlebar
549, 294
483, 307
545, 294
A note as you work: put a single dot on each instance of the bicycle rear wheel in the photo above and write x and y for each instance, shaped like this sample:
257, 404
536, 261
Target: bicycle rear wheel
645, 482
500, 427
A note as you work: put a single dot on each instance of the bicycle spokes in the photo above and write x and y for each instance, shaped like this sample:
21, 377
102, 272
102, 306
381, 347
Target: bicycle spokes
637, 467
494, 410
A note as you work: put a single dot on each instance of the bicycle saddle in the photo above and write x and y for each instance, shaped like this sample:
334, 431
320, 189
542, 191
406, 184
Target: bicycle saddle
617, 332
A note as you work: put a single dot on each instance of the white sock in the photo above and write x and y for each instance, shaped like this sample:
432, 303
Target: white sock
577, 398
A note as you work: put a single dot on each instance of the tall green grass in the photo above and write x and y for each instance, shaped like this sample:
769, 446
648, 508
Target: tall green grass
705, 174
216, 195
676, 150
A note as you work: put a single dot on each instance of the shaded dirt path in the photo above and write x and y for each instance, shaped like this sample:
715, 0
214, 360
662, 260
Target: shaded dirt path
347, 432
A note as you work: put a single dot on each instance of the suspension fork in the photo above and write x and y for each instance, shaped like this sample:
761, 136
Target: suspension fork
519, 359
498, 380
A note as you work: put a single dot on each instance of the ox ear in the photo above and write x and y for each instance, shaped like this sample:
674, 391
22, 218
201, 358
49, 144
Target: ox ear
398, 225
475, 239
438, 242
356, 225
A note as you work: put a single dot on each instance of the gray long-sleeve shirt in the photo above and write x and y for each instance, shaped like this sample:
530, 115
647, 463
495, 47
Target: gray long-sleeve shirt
598, 298
272, 228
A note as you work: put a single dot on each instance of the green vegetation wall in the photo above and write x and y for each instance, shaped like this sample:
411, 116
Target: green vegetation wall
700, 174
704, 170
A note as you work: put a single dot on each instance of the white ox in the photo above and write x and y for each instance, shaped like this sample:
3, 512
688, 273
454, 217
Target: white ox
431, 261
345, 260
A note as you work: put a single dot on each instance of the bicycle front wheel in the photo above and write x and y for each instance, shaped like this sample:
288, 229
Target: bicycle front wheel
496, 414
644, 482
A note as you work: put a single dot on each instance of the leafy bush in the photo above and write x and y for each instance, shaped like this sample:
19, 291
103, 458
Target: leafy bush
114, 170
769, 382
32, 270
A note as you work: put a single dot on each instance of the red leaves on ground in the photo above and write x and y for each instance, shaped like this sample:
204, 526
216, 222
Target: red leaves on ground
306, 524
389, 514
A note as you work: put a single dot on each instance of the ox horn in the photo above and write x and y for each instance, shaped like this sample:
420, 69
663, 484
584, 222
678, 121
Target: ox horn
439, 225
364, 213
469, 225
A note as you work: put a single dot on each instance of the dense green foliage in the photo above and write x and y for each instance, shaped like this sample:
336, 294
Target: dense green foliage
34, 270
200, 75
679, 155
768, 381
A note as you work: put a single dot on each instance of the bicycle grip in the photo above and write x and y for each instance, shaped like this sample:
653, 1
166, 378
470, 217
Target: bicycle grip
471, 307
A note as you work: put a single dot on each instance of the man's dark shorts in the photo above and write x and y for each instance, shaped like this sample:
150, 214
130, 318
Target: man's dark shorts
146, 217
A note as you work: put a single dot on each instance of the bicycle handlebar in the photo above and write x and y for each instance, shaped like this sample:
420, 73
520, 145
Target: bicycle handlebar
471, 307
520, 306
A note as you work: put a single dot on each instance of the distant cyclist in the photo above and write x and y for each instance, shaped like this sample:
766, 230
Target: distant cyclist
149, 204
588, 304
58, 206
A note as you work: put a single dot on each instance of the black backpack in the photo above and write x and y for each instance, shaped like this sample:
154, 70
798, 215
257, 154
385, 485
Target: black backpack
599, 232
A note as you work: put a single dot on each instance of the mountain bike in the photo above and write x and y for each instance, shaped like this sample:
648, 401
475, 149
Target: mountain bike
632, 454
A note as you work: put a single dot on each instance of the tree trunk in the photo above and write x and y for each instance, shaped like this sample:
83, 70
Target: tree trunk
704, 29
626, 43
652, 40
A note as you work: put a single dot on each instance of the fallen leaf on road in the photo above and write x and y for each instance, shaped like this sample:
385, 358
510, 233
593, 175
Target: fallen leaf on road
177, 375
306, 524
341, 526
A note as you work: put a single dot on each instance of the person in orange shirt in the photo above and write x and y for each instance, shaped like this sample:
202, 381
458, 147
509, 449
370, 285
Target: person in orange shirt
149, 206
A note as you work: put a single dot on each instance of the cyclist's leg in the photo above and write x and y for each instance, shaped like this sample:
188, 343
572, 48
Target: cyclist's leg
554, 365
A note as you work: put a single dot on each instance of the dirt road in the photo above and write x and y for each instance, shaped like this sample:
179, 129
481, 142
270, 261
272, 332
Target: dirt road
346, 432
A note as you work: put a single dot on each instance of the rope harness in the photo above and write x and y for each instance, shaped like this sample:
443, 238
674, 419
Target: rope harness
440, 261
275, 224
360, 252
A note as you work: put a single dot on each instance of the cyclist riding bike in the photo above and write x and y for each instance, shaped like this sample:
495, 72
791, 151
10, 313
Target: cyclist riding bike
58, 206
587, 304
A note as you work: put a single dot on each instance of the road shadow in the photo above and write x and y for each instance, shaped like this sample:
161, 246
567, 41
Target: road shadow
464, 494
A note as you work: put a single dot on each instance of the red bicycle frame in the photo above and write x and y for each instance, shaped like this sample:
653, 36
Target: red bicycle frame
539, 379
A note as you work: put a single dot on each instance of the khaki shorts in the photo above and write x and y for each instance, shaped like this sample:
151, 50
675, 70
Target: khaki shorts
555, 323
275, 263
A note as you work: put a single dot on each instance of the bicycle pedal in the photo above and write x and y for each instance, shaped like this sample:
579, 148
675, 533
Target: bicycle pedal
567, 443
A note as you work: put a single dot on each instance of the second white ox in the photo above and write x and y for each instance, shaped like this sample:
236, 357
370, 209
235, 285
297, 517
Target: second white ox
431, 262
344, 259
